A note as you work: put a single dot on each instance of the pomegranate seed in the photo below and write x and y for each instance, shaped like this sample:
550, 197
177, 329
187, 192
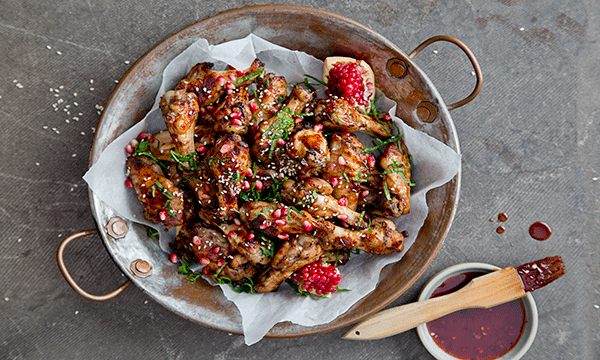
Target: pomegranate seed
333, 180
277, 213
230, 86
204, 261
236, 115
343, 201
230, 234
129, 149
226, 148
283, 236
307, 226
250, 237
387, 117
264, 225
230, 67
162, 215
346, 134
343, 217
318, 127
371, 161
253, 106
258, 184
229, 91
364, 193
201, 149
297, 119
173, 258
236, 122
249, 173
196, 240
220, 262
341, 161
143, 135
246, 185
281, 142
231, 76
221, 80
237, 222
239, 73
284, 211
128, 183
281, 222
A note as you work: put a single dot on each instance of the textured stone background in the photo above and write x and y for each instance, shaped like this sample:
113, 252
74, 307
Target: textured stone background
529, 145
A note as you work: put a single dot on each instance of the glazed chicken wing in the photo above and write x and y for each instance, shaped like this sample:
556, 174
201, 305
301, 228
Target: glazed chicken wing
395, 163
180, 111
337, 113
247, 243
209, 247
380, 238
281, 221
233, 114
230, 163
294, 254
274, 130
348, 168
268, 98
210, 85
163, 202
309, 148
314, 195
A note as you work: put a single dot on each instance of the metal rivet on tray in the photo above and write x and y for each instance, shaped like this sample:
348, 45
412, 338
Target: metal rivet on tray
397, 67
141, 268
427, 112
117, 228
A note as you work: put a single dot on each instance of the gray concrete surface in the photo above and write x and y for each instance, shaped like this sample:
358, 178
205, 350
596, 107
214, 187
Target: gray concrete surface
529, 143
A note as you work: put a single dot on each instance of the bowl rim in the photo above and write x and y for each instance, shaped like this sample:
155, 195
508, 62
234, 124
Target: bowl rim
341, 321
531, 312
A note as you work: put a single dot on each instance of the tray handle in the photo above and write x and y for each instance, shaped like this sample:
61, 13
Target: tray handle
69, 278
469, 54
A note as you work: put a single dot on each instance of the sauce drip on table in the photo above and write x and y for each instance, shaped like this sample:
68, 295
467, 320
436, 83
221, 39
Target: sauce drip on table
478, 334
540, 231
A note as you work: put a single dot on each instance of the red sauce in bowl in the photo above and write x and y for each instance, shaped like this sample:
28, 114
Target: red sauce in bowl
477, 334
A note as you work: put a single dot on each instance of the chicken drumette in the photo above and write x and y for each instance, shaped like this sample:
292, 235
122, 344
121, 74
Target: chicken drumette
337, 113
180, 111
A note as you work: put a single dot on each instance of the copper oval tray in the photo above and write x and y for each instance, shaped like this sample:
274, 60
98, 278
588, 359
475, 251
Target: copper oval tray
318, 33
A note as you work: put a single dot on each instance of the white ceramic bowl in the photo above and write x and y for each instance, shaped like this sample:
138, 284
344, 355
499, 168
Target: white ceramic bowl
531, 315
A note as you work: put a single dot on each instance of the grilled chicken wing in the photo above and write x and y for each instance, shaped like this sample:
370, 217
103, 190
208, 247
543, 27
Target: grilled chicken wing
314, 195
229, 160
268, 98
163, 202
337, 113
309, 148
395, 163
276, 129
279, 220
180, 111
211, 248
233, 114
210, 85
246, 242
348, 168
381, 238
294, 254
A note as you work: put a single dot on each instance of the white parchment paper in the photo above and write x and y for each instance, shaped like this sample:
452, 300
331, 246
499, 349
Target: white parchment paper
433, 162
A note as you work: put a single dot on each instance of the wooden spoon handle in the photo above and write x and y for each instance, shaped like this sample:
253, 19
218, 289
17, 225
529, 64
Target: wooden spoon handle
485, 291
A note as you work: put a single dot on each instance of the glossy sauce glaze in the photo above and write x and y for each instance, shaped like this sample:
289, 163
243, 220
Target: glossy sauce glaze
477, 334
540, 231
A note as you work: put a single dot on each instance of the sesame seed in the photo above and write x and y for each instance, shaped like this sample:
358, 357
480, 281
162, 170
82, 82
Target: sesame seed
59, 53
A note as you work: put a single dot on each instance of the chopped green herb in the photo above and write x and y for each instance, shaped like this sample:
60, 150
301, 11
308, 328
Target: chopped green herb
151, 232
386, 191
142, 149
249, 76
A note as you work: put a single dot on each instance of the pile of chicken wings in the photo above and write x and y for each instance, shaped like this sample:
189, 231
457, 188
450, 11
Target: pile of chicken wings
260, 178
